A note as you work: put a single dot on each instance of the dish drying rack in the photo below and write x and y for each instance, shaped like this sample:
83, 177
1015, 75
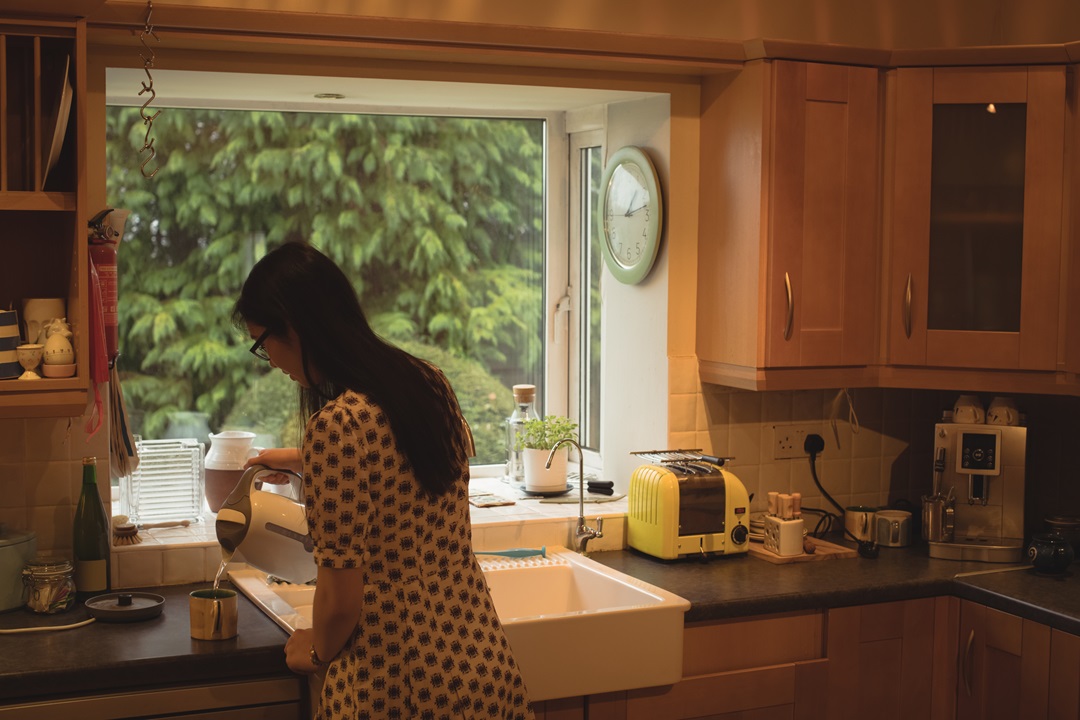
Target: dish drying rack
693, 462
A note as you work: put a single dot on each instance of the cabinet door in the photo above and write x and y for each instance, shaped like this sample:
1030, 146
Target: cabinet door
823, 215
974, 218
881, 660
1004, 665
1064, 699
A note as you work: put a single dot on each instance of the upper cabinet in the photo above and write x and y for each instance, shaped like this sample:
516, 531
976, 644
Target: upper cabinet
973, 217
789, 252
42, 78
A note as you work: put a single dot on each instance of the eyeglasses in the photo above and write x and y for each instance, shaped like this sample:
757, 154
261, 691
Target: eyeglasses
257, 349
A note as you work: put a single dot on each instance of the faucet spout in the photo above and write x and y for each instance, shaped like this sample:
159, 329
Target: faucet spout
583, 534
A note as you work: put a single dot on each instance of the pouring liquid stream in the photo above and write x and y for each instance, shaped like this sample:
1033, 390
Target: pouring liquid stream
226, 556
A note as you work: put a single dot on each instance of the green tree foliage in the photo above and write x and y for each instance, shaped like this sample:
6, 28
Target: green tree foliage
438, 221
271, 406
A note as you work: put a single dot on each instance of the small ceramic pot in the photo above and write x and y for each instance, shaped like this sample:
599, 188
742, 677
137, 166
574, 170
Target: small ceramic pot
1050, 553
1067, 527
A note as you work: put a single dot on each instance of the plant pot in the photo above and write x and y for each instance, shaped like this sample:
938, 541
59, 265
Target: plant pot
541, 479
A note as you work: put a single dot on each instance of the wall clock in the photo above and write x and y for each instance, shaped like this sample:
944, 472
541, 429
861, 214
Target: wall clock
631, 214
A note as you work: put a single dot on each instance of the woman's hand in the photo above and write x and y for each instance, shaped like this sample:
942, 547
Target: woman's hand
278, 459
298, 653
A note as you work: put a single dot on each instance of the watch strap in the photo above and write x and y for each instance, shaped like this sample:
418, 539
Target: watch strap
315, 658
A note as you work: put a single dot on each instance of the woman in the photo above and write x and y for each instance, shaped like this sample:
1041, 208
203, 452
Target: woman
403, 621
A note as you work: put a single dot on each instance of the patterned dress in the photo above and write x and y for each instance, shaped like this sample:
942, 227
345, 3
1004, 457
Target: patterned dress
428, 644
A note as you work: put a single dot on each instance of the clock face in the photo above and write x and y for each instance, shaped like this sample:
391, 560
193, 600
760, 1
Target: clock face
630, 214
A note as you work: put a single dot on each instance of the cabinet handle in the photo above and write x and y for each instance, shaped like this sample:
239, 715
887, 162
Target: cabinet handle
965, 663
907, 307
790, 307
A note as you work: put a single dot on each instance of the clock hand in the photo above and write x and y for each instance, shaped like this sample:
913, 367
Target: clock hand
639, 208
631, 204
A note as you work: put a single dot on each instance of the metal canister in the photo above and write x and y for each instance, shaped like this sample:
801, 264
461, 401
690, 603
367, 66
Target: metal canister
50, 585
938, 518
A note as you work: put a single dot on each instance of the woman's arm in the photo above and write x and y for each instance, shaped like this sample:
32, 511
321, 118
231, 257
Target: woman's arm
279, 459
339, 601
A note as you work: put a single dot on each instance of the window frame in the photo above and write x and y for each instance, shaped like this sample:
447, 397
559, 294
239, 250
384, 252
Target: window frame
560, 243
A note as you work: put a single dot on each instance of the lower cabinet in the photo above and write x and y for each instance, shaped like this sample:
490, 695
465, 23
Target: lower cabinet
1009, 667
881, 660
938, 658
762, 668
269, 699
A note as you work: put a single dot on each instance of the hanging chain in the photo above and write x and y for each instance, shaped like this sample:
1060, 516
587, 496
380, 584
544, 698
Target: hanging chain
148, 87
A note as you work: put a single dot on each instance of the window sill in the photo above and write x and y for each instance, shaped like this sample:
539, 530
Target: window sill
180, 555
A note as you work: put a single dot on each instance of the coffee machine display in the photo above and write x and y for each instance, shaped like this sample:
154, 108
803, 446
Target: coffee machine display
977, 509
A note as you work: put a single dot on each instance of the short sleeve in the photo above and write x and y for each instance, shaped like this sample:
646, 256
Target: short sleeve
336, 486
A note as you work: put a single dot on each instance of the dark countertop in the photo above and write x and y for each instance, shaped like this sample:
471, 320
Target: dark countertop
739, 586
108, 656
104, 657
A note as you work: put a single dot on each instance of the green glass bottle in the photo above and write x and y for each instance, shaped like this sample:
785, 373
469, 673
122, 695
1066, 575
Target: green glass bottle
90, 537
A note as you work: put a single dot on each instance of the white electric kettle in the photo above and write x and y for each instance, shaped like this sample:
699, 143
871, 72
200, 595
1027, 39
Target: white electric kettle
269, 529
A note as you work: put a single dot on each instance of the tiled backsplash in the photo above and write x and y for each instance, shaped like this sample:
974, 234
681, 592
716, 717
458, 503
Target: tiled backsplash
885, 458
41, 475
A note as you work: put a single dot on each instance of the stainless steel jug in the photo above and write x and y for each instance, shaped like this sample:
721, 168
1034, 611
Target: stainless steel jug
938, 514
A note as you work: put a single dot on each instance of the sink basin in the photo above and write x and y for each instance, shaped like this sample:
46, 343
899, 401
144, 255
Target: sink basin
576, 626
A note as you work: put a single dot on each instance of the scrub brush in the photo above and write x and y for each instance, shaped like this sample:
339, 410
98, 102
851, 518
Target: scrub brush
125, 532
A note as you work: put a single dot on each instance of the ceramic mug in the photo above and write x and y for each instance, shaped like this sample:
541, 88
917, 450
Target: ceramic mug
859, 521
969, 410
213, 614
1002, 411
892, 528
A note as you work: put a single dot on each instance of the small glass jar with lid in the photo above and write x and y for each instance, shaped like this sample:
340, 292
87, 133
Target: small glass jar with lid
50, 585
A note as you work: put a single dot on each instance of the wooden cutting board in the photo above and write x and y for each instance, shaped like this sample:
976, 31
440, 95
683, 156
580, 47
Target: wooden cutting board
825, 551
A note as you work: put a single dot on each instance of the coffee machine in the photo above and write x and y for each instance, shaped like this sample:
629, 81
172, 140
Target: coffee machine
977, 509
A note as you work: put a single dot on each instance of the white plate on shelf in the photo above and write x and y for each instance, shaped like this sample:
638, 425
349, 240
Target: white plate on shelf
63, 112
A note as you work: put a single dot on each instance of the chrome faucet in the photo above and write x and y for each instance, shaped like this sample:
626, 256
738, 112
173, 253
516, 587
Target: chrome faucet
584, 533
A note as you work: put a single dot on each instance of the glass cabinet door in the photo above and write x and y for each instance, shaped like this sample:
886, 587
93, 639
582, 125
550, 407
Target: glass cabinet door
975, 224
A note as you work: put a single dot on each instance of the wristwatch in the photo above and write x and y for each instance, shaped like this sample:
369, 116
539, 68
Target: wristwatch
315, 658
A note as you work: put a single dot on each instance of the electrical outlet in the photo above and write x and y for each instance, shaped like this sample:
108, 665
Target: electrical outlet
788, 440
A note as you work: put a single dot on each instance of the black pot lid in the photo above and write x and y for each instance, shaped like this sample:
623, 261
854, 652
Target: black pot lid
125, 606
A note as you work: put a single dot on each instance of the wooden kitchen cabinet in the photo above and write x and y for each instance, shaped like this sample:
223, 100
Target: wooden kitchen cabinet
973, 222
881, 660
279, 698
42, 210
758, 668
1010, 667
789, 252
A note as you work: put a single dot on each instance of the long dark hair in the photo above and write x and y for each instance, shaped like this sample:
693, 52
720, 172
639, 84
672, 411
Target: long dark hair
296, 286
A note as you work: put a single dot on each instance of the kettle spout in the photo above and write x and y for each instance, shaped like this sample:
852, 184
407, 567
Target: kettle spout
234, 516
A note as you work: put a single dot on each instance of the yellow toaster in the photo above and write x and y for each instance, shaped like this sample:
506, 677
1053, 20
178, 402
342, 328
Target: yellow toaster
687, 508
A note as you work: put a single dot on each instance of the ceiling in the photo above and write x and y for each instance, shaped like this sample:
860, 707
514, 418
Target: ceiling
243, 91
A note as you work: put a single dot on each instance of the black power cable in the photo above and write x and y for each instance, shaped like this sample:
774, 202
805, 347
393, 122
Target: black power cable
814, 444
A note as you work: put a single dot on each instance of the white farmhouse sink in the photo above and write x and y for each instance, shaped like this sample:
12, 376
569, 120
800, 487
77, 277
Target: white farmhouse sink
576, 626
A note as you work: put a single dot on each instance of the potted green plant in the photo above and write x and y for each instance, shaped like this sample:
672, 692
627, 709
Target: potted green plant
535, 441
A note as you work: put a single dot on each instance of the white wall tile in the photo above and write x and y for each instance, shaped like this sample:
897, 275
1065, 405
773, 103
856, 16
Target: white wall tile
51, 438
142, 568
183, 565
12, 440
12, 485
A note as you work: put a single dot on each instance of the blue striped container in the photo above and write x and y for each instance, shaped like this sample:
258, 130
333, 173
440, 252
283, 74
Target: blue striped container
9, 340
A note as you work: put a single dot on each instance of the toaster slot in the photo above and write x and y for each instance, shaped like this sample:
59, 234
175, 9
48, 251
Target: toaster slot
701, 504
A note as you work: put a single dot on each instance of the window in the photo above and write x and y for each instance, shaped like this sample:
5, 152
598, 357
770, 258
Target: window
586, 168
440, 222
